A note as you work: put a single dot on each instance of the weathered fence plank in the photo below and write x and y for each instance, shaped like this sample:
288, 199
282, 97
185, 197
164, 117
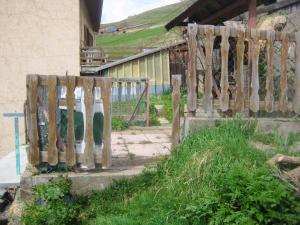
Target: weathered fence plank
208, 82
240, 77
106, 96
88, 85
192, 69
120, 97
254, 98
296, 102
283, 78
269, 100
224, 101
128, 96
52, 127
32, 90
176, 82
70, 151
138, 94
147, 111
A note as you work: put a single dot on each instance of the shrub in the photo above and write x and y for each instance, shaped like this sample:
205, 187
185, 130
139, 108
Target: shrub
52, 205
119, 123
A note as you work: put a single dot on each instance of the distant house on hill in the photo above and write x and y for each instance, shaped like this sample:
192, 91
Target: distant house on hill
40, 37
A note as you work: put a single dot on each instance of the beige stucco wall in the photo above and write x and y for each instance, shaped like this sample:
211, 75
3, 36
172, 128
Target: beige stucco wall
36, 37
85, 20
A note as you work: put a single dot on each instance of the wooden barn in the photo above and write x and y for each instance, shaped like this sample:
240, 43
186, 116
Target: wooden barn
155, 64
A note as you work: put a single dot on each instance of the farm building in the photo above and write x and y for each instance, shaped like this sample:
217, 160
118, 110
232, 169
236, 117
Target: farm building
156, 64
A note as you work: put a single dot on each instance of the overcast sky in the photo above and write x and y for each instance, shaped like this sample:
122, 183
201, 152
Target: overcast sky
116, 10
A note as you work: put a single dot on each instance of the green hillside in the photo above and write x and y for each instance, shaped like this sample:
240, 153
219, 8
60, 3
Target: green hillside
142, 31
155, 16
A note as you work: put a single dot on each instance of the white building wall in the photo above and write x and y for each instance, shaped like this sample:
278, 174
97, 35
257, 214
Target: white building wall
36, 37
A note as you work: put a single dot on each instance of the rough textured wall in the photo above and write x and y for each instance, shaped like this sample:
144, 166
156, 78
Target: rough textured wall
85, 20
36, 37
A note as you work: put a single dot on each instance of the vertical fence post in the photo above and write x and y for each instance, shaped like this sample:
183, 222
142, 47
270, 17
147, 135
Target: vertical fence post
52, 129
147, 111
120, 93
32, 93
106, 95
70, 151
192, 70
176, 82
296, 103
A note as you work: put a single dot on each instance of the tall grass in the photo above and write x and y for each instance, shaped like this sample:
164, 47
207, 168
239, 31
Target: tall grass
214, 177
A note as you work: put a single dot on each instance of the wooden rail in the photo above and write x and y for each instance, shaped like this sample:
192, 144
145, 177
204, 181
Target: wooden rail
239, 101
55, 154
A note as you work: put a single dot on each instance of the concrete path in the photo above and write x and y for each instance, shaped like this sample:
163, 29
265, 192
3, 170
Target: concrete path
134, 147
8, 174
140, 146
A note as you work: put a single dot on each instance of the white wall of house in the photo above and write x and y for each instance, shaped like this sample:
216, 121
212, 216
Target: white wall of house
36, 37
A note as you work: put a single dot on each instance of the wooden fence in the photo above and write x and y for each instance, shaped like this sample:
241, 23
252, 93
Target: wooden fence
264, 76
54, 153
131, 98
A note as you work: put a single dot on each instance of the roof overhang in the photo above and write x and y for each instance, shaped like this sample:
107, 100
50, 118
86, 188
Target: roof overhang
95, 10
211, 12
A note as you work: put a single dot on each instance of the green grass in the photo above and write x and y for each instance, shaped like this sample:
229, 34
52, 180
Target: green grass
118, 123
215, 177
166, 101
153, 34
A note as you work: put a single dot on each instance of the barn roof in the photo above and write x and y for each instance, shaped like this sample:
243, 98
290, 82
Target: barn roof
210, 12
95, 9
140, 55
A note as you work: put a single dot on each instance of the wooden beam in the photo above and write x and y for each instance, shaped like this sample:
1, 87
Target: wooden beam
252, 14
220, 13
191, 10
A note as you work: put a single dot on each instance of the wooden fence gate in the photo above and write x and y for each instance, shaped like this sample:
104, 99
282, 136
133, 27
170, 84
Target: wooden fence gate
47, 97
131, 99
252, 70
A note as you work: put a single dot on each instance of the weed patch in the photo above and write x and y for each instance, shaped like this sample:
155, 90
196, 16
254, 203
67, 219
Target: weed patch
118, 123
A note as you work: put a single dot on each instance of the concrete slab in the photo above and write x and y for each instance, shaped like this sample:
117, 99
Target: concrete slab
135, 139
148, 150
82, 183
284, 126
158, 138
117, 139
8, 174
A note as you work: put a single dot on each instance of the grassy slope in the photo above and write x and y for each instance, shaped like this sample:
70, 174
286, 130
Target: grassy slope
215, 177
155, 16
153, 36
